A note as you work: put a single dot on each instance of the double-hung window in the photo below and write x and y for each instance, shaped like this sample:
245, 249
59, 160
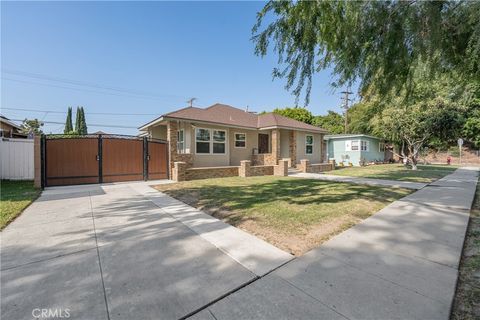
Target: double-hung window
210, 141
355, 145
219, 139
181, 141
364, 145
240, 140
308, 144
202, 139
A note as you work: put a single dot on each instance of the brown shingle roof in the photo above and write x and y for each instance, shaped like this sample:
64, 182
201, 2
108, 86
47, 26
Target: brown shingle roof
228, 115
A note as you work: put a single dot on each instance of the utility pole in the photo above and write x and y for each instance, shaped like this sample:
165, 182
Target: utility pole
346, 100
190, 101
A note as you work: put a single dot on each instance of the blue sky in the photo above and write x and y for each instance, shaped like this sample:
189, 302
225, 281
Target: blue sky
145, 58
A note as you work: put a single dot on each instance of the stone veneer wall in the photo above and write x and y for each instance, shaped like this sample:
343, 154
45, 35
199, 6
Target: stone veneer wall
306, 167
264, 159
261, 170
210, 172
293, 148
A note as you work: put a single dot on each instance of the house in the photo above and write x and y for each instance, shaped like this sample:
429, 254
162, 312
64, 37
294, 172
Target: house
9, 129
222, 135
355, 149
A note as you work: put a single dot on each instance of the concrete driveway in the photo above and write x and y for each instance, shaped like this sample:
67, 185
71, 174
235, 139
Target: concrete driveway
111, 252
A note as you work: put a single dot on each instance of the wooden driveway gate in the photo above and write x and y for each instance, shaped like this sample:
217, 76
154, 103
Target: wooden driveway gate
68, 160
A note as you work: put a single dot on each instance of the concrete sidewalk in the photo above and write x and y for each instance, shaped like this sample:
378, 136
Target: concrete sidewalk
110, 252
401, 263
359, 180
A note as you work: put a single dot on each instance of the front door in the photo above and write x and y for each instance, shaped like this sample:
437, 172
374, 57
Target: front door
263, 143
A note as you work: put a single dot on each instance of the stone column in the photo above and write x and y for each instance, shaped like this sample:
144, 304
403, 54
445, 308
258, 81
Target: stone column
172, 129
179, 171
293, 147
281, 169
244, 170
275, 145
304, 165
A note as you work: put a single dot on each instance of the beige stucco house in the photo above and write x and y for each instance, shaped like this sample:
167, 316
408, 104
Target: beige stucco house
222, 135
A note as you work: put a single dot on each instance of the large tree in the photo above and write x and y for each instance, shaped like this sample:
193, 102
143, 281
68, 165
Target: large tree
333, 122
32, 126
68, 122
300, 114
80, 123
377, 43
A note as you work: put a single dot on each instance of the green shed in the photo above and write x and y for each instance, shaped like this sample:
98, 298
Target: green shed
354, 149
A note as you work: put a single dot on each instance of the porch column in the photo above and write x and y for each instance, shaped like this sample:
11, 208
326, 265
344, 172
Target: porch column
293, 147
275, 145
172, 129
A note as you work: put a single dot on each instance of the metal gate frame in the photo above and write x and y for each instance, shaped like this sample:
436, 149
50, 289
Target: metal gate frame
146, 156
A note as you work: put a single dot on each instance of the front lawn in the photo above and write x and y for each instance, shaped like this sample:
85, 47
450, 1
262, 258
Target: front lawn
292, 214
425, 173
15, 196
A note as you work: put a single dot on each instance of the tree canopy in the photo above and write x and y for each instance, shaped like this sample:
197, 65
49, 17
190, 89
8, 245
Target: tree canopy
300, 114
333, 122
380, 44
32, 126
80, 123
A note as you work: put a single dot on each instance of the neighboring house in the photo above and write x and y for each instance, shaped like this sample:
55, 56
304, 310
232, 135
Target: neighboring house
355, 149
221, 135
9, 129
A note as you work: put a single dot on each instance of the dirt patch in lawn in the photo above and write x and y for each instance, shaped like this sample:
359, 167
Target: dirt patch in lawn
295, 215
466, 305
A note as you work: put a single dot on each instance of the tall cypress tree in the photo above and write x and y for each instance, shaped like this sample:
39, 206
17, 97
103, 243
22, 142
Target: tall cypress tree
83, 122
77, 121
68, 123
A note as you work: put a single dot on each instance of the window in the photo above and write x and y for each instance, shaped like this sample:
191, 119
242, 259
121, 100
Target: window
355, 145
202, 137
209, 141
364, 145
219, 141
181, 141
381, 147
240, 140
308, 144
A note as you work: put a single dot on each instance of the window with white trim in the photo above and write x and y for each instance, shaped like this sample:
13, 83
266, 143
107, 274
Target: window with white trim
381, 147
219, 140
308, 144
240, 140
181, 141
355, 145
210, 141
364, 145
202, 140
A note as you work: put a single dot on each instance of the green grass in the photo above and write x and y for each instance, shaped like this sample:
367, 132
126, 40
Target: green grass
280, 209
467, 297
425, 173
15, 196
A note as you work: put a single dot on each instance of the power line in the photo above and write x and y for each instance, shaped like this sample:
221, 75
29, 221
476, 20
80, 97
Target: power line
85, 83
89, 124
99, 113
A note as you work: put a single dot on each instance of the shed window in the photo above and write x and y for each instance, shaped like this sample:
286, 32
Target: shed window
308, 144
364, 145
381, 147
355, 145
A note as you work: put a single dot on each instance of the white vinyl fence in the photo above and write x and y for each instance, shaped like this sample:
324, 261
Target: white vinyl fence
16, 156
